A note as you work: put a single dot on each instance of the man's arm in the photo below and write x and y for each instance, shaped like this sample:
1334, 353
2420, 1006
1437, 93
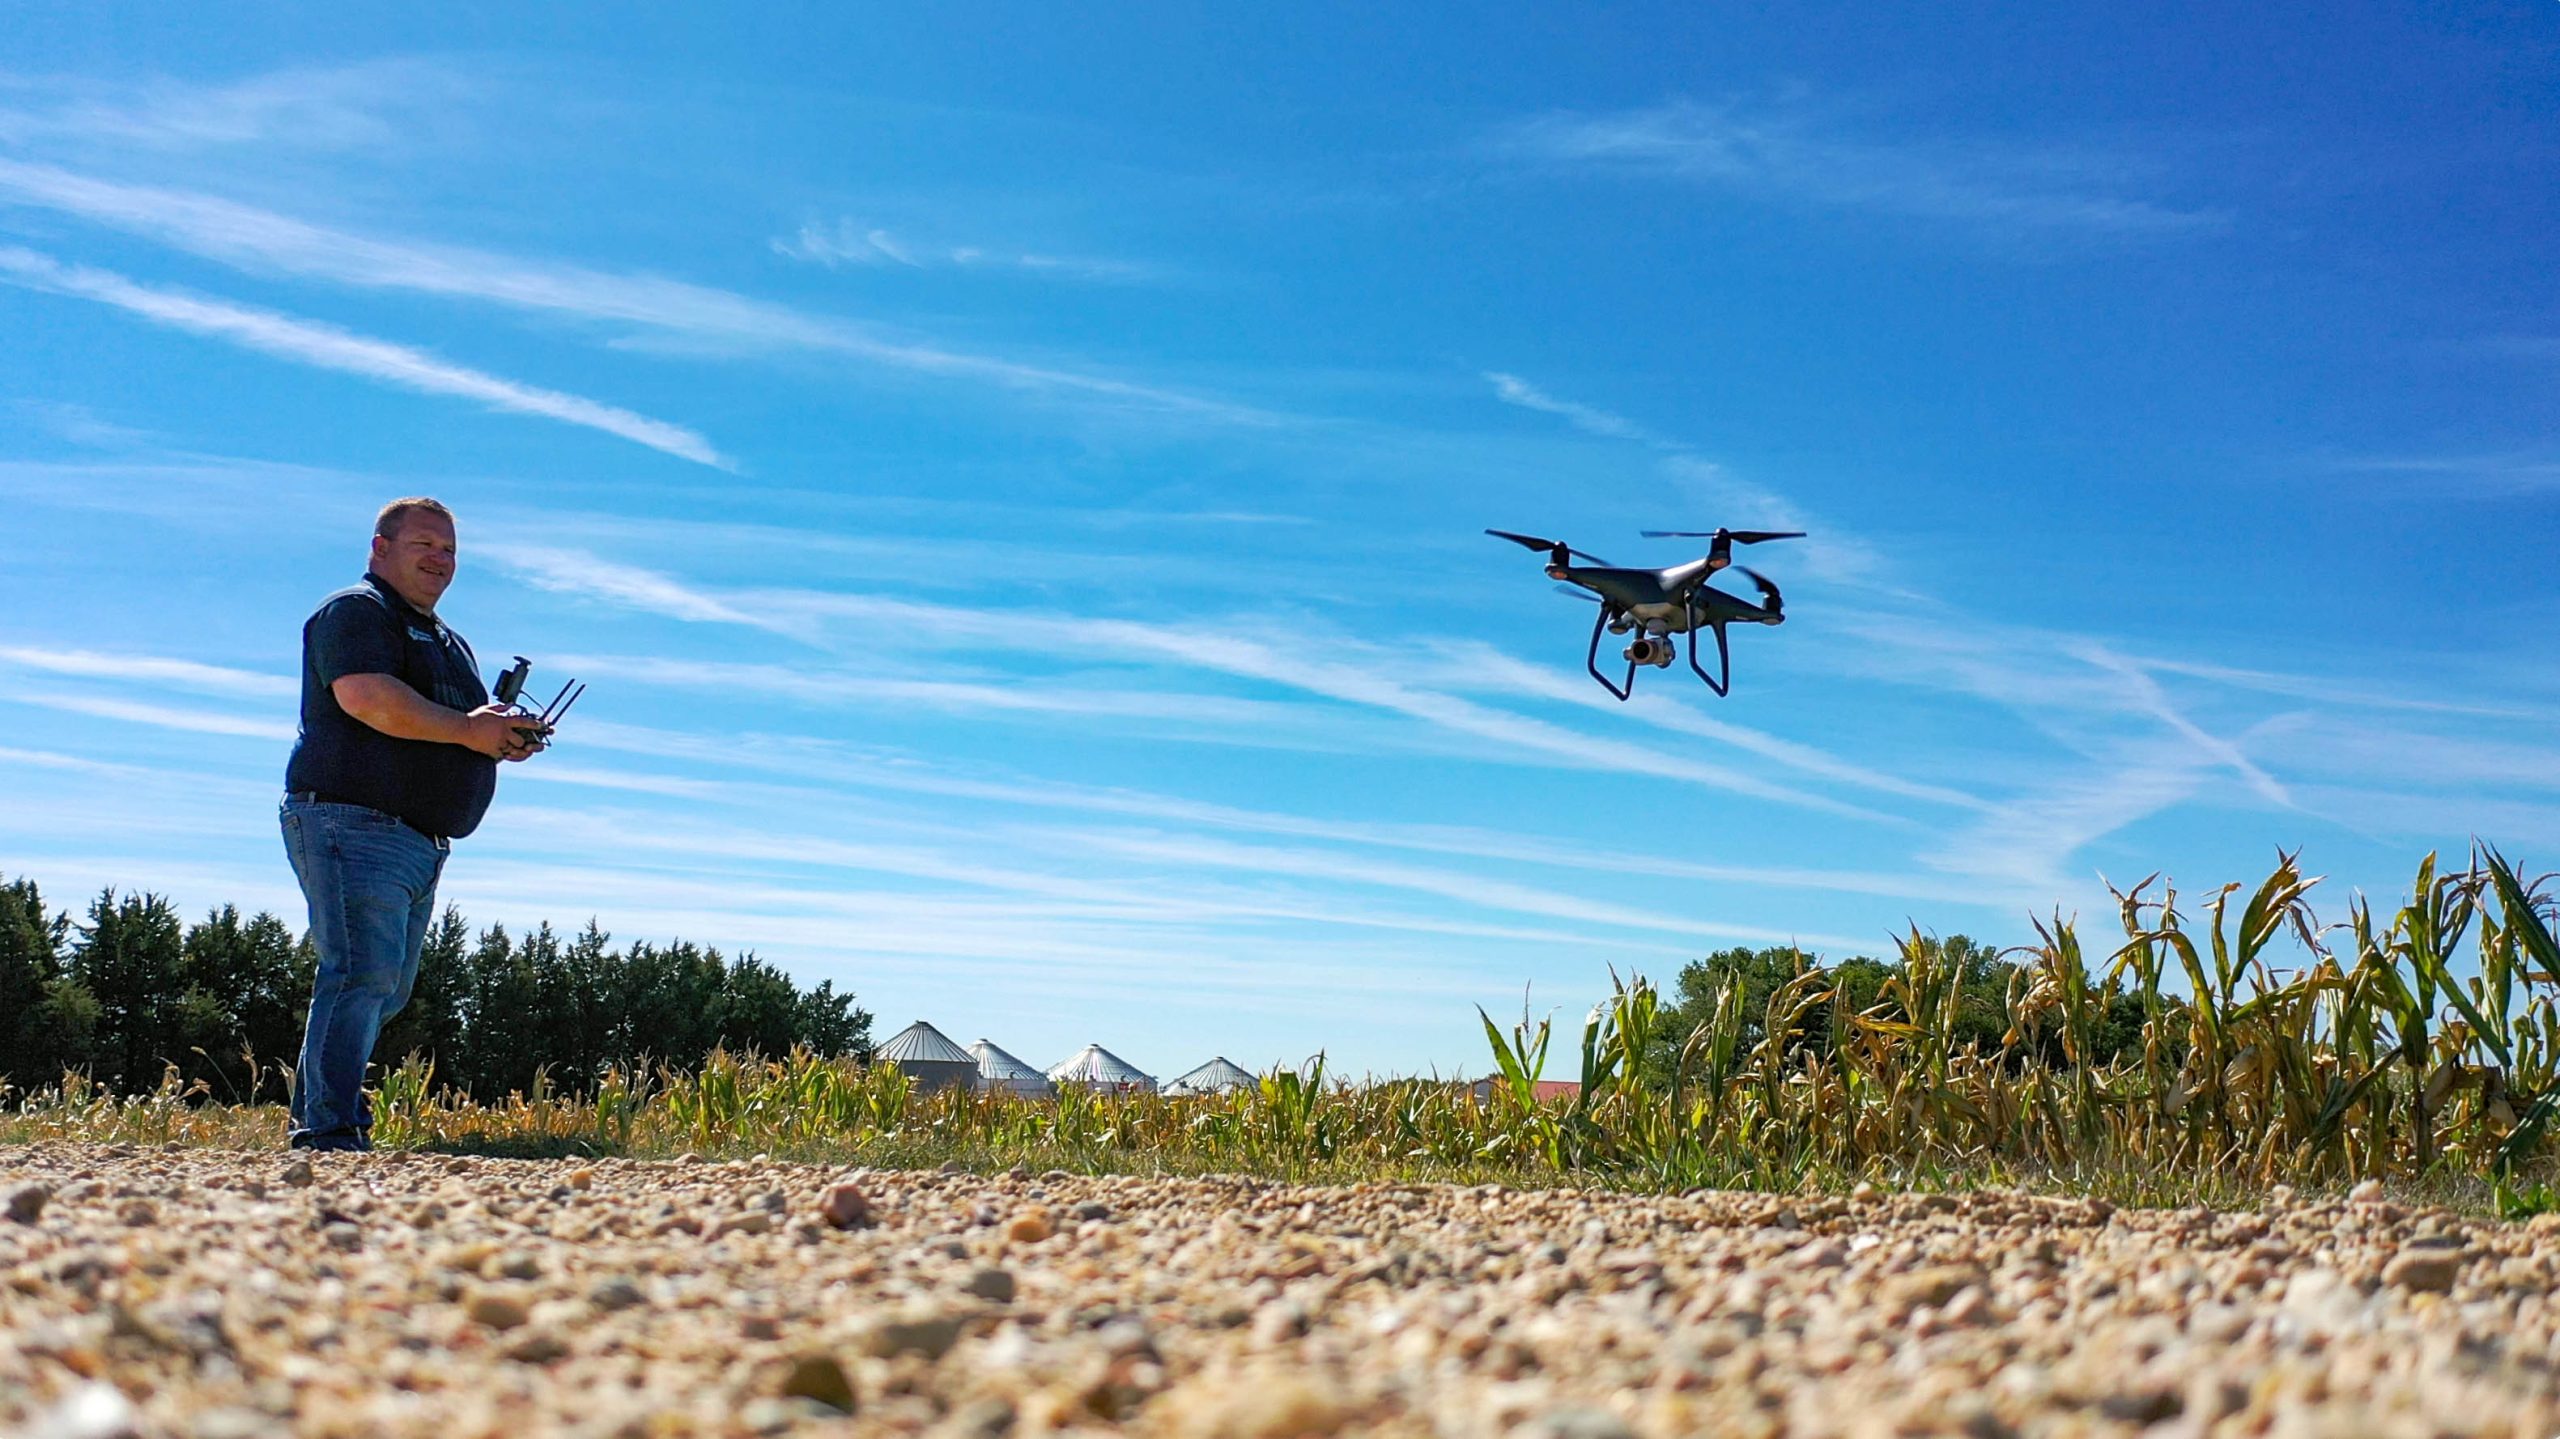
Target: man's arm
386, 703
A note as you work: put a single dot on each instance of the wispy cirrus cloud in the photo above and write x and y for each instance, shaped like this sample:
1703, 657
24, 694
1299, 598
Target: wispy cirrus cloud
263, 241
2492, 474
192, 721
150, 669
362, 106
578, 572
330, 348
854, 243
1513, 390
1791, 153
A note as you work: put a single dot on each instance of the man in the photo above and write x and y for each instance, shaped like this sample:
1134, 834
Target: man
397, 758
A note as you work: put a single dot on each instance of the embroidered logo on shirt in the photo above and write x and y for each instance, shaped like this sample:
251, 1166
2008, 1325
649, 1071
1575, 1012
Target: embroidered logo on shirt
417, 634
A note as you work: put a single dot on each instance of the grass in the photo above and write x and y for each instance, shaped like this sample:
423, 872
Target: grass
2420, 1048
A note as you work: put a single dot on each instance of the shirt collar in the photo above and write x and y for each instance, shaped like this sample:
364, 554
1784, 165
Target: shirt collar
383, 588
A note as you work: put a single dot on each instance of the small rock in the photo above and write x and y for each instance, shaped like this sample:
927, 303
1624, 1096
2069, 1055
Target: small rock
820, 1378
760, 1326
1820, 1254
27, 1201
495, 1310
977, 1419
1093, 1210
2367, 1191
92, 1411
773, 1201
1573, 1423
137, 1213
845, 1206
616, 1292
954, 1167
537, 1346
582, 1178
1029, 1227
930, 1335
2424, 1271
1935, 1284
233, 1424
298, 1174
993, 1285
514, 1264
751, 1221
1279, 1321
343, 1237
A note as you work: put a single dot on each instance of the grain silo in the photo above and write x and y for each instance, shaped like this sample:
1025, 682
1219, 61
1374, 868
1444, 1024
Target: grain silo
1216, 1077
1001, 1073
1099, 1068
929, 1059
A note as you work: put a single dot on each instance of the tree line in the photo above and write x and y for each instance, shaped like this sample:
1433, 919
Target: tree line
133, 989
1861, 984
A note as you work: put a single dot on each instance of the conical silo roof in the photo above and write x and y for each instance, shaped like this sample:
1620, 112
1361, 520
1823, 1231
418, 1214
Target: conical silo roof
1094, 1064
921, 1043
1218, 1074
998, 1069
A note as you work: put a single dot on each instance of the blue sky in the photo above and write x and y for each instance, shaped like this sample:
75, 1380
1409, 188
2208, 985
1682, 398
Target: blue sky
1015, 484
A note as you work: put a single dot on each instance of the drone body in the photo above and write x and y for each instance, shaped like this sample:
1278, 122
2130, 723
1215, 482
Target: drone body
1656, 604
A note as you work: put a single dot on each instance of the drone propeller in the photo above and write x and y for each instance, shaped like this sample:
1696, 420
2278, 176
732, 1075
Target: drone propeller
1739, 537
1558, 552
1572, 593
1770, 599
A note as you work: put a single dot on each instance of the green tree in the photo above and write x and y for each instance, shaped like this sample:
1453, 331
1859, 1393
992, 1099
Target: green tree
128, 959
667, 1004
242, 993
501, 1031
32, 1052
575, 984
759, 1008
829, 1023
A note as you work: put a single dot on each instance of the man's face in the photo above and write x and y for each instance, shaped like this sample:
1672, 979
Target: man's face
419, 560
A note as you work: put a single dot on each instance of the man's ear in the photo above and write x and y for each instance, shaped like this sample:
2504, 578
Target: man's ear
381, 548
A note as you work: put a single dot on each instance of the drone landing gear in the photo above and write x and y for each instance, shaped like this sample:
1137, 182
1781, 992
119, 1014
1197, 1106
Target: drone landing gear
1591, 662
1723, 679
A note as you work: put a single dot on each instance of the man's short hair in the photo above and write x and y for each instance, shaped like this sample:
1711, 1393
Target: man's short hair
395, 514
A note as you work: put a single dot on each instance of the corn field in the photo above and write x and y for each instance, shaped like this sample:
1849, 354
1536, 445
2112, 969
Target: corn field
2421, 1047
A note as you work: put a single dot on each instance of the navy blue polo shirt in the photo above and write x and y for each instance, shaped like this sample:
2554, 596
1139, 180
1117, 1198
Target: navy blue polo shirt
436, 789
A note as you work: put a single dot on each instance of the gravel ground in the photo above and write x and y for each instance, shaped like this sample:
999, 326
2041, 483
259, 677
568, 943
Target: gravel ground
234, 1294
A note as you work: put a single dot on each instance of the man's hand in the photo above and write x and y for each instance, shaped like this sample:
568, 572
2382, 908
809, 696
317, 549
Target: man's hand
504, 732
501, 732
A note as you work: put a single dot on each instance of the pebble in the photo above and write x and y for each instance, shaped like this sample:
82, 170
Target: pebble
615, 1293
845, 1206
821, 1379
1574, 1424
1029, 1227
496, 1310
27, 1201
2426, 1270
297, 1173
993, 1285
929, 1335
539, 1346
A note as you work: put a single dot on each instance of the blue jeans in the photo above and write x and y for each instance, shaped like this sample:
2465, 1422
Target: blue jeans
371, 884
